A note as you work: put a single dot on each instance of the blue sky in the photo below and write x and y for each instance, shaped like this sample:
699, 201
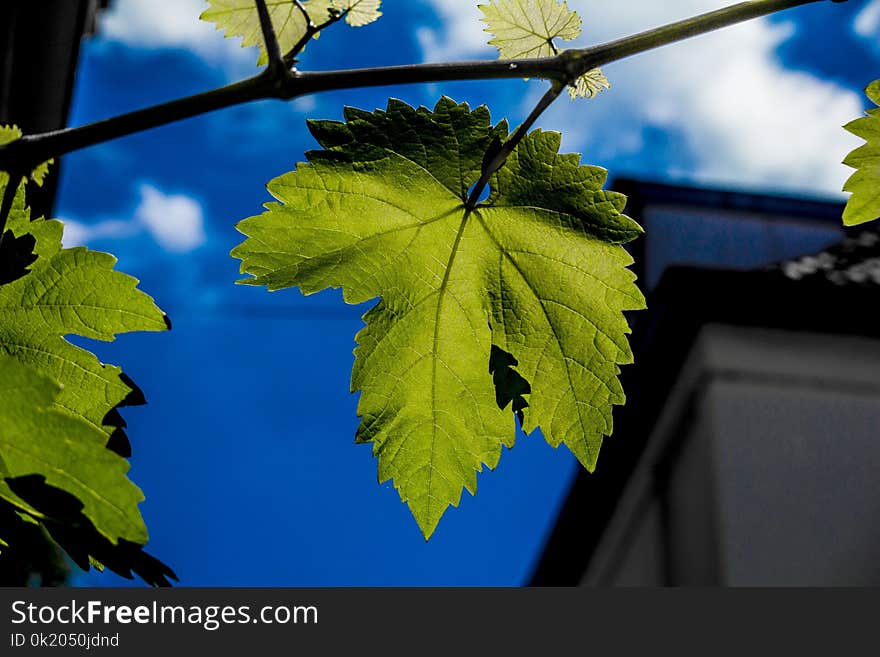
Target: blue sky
245, 451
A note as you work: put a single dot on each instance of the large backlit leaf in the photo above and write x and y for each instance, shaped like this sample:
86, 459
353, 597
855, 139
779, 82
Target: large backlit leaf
535, 275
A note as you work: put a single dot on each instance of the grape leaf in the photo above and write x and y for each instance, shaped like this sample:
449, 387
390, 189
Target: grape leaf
61, 455
71, 292
589, 84
239, 18
62, 524
537, 271
526, 28
523, 29
357, 12
864, 204
36, 438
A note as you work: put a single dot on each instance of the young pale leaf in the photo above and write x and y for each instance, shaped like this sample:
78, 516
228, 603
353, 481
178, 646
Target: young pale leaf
535, 275
38, 440
56, 292
358, 12
589, 84
526, 29
864, 204
239, 18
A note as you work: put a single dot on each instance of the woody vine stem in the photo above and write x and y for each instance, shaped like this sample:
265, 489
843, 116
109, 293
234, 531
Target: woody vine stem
282, 80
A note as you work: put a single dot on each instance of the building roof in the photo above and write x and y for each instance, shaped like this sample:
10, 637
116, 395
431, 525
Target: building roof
853, 261
828, 292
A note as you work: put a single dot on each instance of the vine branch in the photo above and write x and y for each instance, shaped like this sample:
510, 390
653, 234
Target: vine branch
510, 145
311, 30
29, 151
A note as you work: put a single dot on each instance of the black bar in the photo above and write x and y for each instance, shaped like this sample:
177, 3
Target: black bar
438, 621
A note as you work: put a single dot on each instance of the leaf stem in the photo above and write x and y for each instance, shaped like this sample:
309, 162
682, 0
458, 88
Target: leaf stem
510, 145
305, 13
311, 30
565, 67
270, 38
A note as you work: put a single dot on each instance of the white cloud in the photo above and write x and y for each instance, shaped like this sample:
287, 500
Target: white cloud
867, 21
176, 223
747, 119
461, 35
77, 233
174, 24
304, 104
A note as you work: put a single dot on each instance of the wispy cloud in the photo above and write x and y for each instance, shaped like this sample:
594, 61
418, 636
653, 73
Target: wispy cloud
867, 21
460, 35
77, 233
174, 221
175, 24
746, 119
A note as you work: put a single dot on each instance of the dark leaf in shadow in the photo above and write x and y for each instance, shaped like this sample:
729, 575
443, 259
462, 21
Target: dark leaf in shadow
118, 441
31, 558
136, 396
16, 255
77, 536
510, 386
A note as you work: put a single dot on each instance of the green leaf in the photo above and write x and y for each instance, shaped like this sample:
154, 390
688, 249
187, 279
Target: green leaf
61, 438
239, 18
537, 272
63, 292
864, 204
589, 84
38, 440
357, 12
525, 29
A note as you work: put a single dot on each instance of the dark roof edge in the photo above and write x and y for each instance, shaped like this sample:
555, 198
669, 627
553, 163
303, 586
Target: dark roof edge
640, 191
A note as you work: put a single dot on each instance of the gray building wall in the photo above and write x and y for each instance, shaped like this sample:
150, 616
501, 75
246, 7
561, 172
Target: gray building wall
761, 471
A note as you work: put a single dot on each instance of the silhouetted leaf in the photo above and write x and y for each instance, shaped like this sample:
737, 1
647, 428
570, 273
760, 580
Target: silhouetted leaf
16, 255
510, 387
